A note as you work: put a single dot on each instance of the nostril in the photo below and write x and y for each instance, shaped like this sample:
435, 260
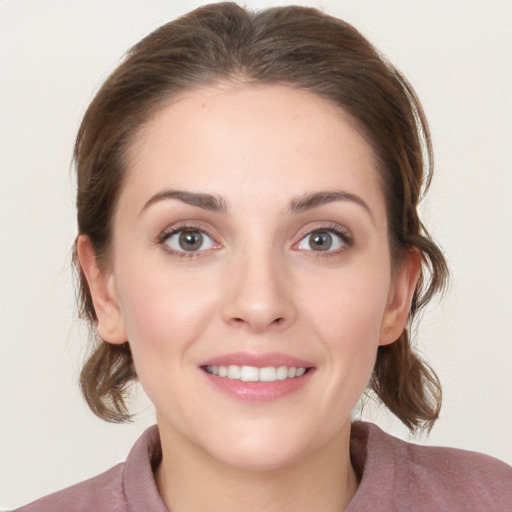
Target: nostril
239, 321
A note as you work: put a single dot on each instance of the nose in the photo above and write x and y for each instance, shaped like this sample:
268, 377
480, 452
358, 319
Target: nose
260, 294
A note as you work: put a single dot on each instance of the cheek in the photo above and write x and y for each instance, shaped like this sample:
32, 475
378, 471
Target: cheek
347, 317
164, 311
351, 305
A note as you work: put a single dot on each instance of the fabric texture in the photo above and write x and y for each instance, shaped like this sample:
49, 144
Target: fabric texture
394, 476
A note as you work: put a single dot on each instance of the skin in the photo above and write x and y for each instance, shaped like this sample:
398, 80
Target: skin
256, 285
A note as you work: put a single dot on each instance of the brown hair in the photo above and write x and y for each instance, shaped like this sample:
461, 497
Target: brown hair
295, 46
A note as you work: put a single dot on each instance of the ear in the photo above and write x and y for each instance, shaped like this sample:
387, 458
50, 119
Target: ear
400, 297
104, 295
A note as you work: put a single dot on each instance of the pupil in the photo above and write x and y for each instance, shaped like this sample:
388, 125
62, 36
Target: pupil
321, 241
191, 240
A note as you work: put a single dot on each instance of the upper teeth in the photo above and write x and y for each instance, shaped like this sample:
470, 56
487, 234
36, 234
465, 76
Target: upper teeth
255, 374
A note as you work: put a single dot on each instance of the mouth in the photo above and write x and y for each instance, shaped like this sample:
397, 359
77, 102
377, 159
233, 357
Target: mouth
256, 374
258, 378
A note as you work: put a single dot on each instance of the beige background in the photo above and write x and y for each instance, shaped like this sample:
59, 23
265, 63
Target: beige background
55, 54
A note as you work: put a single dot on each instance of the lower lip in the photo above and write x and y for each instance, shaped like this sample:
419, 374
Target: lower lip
258, 391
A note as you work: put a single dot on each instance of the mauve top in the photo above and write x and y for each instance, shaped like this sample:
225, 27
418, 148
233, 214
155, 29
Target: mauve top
394, 476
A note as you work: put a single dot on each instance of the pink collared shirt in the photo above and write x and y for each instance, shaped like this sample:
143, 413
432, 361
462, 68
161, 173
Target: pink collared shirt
394, 476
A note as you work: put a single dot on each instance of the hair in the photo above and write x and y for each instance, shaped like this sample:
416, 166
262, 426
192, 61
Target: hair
298, 47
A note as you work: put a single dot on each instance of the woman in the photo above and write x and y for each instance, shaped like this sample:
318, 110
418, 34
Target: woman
250, 250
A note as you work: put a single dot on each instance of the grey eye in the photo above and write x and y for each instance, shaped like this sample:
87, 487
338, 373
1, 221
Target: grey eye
189, 241
321, 241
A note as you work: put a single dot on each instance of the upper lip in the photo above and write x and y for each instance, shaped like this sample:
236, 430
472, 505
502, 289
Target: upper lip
257, 360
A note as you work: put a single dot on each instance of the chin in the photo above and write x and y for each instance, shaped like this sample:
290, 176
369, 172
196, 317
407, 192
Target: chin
268, 459
264, 448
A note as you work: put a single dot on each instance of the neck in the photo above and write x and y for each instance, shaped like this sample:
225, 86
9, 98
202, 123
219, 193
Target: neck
189, 479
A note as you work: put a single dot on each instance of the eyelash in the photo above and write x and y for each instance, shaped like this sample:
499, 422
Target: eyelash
344, 235
164, 237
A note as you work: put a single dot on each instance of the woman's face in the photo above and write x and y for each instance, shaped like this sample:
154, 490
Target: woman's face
250, 239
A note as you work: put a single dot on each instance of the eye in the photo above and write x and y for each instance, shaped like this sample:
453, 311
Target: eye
323, 241
189, 240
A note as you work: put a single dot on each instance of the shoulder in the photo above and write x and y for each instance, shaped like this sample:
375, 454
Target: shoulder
123, 488
101, 493
433, 478
458, 477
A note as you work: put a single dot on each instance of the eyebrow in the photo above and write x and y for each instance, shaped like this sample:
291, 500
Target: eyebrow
217, 204
308, 201
205, 201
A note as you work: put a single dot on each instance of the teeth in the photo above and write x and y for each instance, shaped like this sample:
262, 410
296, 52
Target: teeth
255, 374
267, 374
214, 370
282, 373
234, 372
249, 374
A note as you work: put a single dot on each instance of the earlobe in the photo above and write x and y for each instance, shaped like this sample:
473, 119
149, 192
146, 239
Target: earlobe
103, 292
400, 298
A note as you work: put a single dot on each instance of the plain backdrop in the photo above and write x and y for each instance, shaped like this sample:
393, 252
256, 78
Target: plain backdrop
53, 57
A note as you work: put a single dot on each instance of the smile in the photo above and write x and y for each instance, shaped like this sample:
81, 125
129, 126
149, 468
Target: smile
255, 374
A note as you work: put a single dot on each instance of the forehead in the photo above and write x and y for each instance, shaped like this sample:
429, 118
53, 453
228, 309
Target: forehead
251, 141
